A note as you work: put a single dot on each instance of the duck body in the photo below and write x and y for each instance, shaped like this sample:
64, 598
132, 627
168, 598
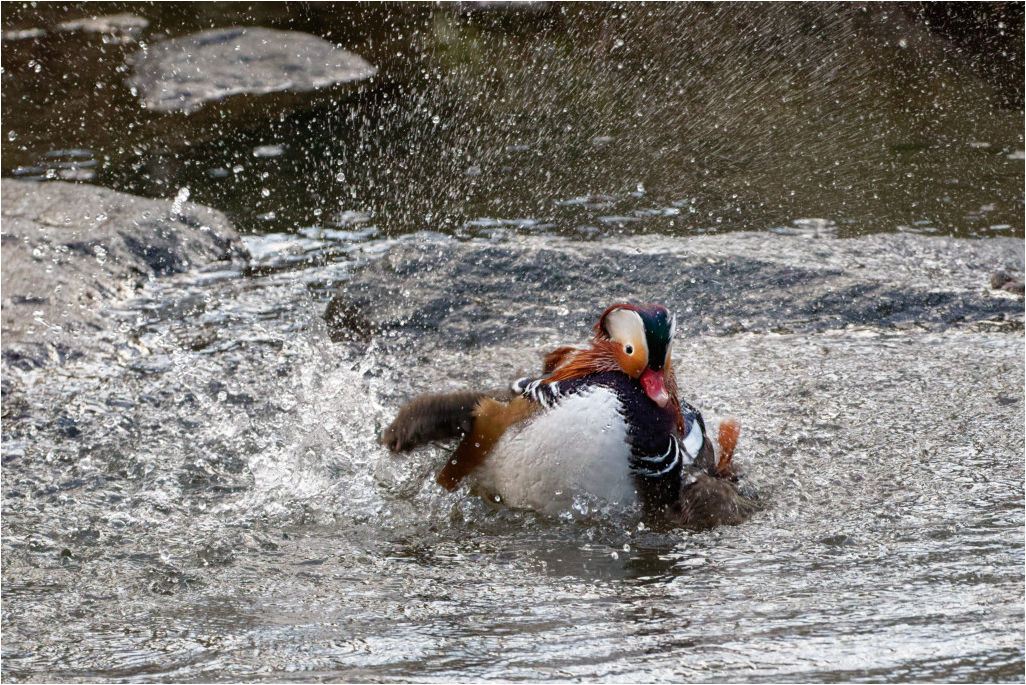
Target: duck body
603, 427
577, 449
597, 437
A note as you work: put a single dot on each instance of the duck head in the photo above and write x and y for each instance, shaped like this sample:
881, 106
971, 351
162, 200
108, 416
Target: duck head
640, 336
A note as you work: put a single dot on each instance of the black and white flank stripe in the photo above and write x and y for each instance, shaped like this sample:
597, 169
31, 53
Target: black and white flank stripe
678, 453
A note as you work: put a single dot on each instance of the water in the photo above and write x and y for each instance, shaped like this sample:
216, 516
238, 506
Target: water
206, 500
212, 504
739, 117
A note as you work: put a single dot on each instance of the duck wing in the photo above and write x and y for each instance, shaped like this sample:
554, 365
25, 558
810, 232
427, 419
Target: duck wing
491, 418
432, 417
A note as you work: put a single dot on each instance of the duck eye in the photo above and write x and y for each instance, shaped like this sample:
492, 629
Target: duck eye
628, 349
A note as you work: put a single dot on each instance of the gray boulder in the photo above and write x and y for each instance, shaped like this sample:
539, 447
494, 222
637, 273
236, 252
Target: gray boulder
185, 73
71, 249
464, 295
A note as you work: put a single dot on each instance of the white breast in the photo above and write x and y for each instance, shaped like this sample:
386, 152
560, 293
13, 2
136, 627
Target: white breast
575, 452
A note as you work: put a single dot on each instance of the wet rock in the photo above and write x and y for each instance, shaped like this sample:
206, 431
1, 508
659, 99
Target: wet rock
70, 250
1002, 280
23, 34
185, 73
123, 27
119, 28
480, 293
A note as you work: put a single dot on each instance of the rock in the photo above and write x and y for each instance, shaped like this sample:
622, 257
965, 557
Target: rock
185, 73
117, 28
123, 28
23, 34
1002, 280
463, 295
71, 249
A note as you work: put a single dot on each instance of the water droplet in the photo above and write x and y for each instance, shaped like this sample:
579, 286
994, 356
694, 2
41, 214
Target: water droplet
180, 199
268, 150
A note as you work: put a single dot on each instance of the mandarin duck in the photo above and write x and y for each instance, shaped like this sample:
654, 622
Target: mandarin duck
603, 422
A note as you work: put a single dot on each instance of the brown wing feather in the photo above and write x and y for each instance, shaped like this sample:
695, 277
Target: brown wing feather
556, 357
595, 359
729, 431
429, 418
491, 419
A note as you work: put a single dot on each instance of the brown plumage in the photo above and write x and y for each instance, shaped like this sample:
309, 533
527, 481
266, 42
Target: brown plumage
712, 501
578, 362
429, 418
727, 437
491, 418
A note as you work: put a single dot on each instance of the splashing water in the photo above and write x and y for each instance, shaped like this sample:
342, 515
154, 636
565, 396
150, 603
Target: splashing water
217, 494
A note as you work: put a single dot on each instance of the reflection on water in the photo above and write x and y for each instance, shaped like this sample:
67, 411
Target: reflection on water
737, 115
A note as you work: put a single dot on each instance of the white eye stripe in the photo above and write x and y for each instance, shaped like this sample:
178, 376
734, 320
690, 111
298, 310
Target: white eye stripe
625, 326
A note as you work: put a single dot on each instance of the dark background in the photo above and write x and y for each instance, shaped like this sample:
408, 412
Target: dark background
582, 119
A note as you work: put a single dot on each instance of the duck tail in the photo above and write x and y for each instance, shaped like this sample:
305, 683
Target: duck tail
730, 429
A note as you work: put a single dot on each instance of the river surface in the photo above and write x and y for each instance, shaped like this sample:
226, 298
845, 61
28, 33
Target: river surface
211, 502
207, 500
